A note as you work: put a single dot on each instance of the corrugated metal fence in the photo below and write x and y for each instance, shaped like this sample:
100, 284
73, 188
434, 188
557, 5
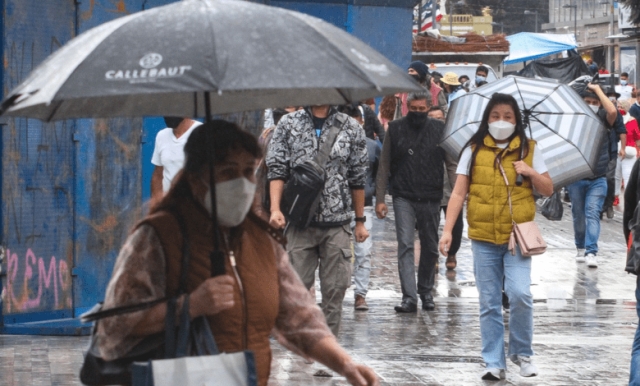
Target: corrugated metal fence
72, 190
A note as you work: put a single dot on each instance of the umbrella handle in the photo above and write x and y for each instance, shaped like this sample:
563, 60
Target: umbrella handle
519, 179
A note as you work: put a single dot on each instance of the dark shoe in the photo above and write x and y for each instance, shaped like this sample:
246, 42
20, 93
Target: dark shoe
361, 304
505, 301
428, 304
451, 262
406, 307
610, 212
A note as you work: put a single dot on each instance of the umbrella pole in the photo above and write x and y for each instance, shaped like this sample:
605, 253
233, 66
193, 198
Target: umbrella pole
216, 256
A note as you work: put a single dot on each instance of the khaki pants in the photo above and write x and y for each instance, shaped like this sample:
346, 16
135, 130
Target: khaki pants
329, 249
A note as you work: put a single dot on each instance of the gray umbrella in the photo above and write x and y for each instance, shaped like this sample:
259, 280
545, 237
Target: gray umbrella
162, 61
568, 133
204, 57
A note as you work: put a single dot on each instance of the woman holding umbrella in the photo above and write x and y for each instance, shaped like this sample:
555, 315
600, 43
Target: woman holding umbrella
499, 150
260, 294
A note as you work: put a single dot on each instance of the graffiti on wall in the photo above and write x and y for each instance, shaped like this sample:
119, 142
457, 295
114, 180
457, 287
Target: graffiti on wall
34, 281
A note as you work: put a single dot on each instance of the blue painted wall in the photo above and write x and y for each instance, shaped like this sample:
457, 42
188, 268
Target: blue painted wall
71, 191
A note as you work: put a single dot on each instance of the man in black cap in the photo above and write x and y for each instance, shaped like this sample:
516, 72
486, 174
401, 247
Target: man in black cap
420, 72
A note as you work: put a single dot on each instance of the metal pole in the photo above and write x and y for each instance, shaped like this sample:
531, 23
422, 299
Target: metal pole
536, 21
637, 78
434, 9
575, 23
419, 18
451, 20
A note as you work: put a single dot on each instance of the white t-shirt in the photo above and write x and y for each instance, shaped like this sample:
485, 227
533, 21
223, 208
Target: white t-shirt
624, 91
465, 160
169, 153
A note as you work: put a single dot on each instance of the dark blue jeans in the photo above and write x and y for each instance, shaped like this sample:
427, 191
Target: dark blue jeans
634, 377
587, 198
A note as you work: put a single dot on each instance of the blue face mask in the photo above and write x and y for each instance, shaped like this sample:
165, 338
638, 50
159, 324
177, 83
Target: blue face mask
623, 82
480, 78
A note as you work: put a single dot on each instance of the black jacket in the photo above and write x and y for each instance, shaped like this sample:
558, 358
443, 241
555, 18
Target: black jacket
416, 171
372, 124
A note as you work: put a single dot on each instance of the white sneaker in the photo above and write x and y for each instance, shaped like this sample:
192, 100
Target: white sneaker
580, 256
592, 260
527, 368
493, 374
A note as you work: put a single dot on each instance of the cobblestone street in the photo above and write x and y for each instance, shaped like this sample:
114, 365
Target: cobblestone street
584, 324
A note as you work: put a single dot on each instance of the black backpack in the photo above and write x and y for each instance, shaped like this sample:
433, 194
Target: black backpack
302, 192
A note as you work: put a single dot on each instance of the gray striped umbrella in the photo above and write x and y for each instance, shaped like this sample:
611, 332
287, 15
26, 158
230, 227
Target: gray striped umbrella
568, 133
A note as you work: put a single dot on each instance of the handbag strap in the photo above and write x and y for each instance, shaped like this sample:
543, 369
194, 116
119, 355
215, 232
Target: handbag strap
506, 182
322, 156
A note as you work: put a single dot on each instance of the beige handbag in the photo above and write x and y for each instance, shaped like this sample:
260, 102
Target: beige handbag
527, 235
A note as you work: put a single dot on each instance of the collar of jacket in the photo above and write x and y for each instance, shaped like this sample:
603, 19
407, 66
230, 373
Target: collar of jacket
491, 143
332, 111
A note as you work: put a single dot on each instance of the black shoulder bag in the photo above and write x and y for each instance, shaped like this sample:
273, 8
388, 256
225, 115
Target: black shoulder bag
301, 194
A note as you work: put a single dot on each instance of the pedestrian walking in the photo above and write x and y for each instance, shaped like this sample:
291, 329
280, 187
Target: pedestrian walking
168, 154
259, 294
411, 165
588, 195
452, 87
617, 136
625, 164
420, 72
624, 88
630, 219
451, 262
362, 251
326, 242
499, 150
481, 77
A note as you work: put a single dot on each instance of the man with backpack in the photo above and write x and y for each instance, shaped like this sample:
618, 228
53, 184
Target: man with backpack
319, 137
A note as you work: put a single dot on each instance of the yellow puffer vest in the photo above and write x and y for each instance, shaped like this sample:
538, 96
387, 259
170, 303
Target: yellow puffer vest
488, 206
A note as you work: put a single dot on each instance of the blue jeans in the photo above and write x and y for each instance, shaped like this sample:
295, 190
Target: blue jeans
587, 198
634, 377
425, 215
492, 264
362, 252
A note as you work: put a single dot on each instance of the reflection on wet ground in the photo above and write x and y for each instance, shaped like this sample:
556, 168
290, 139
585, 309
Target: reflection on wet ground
584, 324
584, 319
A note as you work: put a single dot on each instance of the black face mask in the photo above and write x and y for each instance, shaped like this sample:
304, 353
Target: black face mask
416, 77
416, 119
172, 122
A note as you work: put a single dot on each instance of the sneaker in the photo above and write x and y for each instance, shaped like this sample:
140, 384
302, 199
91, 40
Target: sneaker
610, 212
527, 368
361, 304
493, 374
580, 255
592, 260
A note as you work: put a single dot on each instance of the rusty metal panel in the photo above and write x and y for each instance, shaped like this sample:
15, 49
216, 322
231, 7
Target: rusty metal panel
37, 174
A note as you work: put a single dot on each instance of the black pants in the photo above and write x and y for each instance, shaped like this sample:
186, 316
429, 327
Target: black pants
456, 234
611, 184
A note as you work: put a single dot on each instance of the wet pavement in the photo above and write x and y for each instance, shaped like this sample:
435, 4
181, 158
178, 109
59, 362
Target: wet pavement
584, 322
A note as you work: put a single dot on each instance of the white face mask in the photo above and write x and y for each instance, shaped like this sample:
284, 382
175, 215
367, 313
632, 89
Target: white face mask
594, 108
233, 201
501, 130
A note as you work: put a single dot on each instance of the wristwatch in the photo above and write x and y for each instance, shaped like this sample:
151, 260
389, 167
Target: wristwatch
361, 219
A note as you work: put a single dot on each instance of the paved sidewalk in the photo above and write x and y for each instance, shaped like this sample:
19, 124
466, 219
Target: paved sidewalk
584, 324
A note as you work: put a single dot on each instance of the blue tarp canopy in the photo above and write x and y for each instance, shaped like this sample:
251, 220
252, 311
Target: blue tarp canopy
529, 46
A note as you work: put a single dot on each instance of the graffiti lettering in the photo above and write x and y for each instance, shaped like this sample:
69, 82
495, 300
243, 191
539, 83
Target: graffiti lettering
52, 283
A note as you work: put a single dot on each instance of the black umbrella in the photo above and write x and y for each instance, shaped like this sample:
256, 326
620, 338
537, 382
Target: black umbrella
204, 57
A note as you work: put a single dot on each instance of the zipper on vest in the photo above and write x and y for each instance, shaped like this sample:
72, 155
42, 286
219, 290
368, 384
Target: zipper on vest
245, 322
